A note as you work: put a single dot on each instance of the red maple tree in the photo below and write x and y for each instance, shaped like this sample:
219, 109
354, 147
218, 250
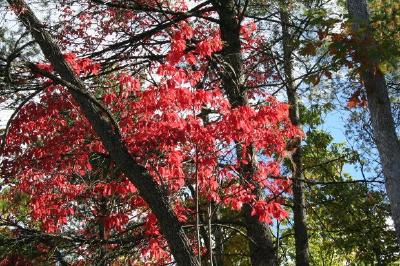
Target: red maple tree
172, 115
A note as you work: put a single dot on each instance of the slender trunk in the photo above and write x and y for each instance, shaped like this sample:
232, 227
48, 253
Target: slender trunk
262, 250
102, 231
150, 191
209, 245
219, 245
299, 212
385, 136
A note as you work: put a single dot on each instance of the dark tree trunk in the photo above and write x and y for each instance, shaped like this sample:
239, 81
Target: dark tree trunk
137, 174
385, 136
299, 212
262, 252
219, 244
102, 204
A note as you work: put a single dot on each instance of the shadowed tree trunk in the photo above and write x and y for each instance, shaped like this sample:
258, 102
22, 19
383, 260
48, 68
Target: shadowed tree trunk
299, 212
385, 136
219, 243
148, 189
262, 251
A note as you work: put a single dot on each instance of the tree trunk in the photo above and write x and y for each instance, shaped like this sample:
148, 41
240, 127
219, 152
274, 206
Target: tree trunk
219, 244
299, 212
137, 174
262, 252
385, 136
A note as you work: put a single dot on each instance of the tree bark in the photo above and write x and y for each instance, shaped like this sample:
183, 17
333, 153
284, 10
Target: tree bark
137, 174
299, 212
262, 251
385, 136
219, 243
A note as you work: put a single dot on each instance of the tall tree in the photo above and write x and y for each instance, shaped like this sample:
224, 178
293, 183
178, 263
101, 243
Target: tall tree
295, 150
260, 240
157, 135
379, 106
148, 188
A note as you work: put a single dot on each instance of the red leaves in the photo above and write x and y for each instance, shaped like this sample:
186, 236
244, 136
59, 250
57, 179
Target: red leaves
46, 67
86, 65
151, 225
266, 211
186, 31
82, 66
109, 98
116, 221
128, 85
246, 32
162, 126
70, 57
205, 48
181, 128
357, 100
122, 189
178, 43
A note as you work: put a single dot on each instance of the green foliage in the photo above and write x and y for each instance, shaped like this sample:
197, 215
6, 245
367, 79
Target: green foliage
385, 22
235, 253
349, 222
